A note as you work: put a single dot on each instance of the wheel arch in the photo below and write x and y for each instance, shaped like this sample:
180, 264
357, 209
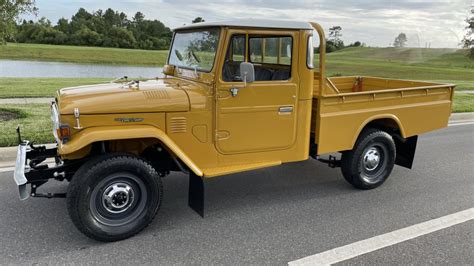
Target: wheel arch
405, 146
88, 136
383, 121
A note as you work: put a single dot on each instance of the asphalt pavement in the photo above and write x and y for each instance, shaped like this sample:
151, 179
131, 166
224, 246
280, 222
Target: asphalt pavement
269, 216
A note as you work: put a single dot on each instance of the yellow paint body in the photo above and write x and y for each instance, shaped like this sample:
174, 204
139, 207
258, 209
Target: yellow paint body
195, 117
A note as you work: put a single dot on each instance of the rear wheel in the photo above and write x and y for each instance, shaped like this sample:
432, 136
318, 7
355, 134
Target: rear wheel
371, 161
114, 197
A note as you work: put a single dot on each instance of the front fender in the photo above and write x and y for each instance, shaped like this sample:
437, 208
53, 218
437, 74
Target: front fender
95, 134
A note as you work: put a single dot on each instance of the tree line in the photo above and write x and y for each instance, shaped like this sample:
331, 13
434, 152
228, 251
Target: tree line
107, 28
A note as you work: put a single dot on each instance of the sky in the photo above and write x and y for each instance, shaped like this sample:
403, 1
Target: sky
435, 24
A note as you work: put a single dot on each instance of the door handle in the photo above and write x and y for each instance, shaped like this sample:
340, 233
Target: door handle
285, 110
234, 91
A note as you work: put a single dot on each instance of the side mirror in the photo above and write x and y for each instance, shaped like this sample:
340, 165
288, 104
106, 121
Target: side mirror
168, 70
247, 72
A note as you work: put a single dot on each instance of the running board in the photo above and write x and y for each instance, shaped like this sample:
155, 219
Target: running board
238, 168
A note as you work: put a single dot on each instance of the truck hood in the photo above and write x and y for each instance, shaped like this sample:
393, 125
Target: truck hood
161, 95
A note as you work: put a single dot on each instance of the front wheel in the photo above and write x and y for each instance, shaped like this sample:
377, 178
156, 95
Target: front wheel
371, 161
114, 197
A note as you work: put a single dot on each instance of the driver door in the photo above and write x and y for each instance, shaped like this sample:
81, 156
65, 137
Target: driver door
261, 115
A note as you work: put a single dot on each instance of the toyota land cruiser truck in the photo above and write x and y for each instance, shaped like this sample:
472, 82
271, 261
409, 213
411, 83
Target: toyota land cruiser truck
235, 96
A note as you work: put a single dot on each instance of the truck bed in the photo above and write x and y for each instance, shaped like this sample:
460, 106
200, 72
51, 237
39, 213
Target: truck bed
348, 104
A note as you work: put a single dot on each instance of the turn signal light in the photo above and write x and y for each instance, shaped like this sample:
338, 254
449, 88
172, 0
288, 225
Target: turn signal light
64, 133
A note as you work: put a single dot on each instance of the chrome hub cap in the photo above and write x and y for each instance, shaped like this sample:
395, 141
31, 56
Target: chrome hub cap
373, 163
371, 159
117, 197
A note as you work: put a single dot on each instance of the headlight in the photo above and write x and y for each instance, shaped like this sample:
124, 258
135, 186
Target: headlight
61, 132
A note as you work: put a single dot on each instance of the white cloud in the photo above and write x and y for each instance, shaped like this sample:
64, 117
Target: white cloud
375, 22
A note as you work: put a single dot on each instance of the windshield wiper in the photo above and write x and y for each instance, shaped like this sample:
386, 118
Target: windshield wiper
178, 55
195, 56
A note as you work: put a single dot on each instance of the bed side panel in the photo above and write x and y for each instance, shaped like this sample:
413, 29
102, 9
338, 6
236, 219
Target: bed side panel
416, 111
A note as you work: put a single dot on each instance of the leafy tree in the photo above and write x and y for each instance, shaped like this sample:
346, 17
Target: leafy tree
335, 37
85, 36
330, 47
149, 33
401, 40
139, 17
468, 40
198, 20
62, 25
10, 10
120, 38
40, 32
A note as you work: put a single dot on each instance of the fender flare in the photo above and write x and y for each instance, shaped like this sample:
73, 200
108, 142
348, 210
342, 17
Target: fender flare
94, 134
377, 117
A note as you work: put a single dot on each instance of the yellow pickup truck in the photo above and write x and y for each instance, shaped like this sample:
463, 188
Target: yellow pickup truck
236, 96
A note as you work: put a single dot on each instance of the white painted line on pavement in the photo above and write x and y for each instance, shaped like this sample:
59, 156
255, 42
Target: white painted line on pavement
7, 169
385, 240
460, 124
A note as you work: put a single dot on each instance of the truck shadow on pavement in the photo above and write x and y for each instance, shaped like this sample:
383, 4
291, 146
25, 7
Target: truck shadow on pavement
273, 193
249, 193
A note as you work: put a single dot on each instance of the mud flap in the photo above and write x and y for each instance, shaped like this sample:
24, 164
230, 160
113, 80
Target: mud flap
406, 151
196, 193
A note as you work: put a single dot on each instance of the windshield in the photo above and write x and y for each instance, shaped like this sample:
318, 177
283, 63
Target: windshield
194, 50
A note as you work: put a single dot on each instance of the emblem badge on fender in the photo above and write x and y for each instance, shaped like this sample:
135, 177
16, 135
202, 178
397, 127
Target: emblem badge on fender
128, 119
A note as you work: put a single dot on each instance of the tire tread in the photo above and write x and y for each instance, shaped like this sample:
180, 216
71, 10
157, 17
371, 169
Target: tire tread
350, 159
77, 184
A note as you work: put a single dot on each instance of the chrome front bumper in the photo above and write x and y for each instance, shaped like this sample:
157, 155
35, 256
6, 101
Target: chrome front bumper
19, 174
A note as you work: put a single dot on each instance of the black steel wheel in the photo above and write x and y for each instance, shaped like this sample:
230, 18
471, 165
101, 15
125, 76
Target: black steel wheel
371, 161
114, 197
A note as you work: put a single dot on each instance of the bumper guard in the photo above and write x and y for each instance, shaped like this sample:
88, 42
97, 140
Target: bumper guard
19, 174
29, 169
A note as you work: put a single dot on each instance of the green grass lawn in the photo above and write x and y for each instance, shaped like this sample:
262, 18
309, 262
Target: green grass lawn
82, 54
40, 87
463, 102
35, 124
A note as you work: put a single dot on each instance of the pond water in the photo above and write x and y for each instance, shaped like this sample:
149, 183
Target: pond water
39, 69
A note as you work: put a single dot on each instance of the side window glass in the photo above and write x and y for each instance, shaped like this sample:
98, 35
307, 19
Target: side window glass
234, 56
271, 57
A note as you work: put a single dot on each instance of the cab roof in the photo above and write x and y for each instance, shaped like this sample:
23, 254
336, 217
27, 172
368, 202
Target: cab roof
251, 23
